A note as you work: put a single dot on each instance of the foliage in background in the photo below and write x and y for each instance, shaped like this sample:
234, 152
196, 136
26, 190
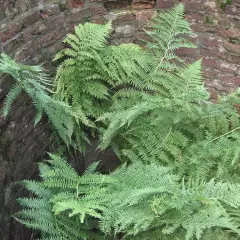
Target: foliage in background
180, 173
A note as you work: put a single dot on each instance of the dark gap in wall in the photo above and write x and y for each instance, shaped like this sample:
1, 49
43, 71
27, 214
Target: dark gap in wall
118, 4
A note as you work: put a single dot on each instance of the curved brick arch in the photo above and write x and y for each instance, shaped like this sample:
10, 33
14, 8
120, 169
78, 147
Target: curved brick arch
32, 30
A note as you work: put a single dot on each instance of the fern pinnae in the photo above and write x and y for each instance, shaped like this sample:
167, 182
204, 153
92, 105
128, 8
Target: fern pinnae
11, 97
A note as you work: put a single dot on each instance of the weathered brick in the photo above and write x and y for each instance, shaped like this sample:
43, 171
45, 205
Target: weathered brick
228, 67
31, 18
192, 6
125, 16
232, 10
145, 15
211, 6
233, 58
34, 31
231, 79
213, 93
13, 44
79, 16
26, 52
210, 53
232, 33
12, 30
50, 38
75, 3
125, 30
98, 21
165, 3
209, 62
209, 74
235, 48
98, 10
186, 51
195, 17
210, 41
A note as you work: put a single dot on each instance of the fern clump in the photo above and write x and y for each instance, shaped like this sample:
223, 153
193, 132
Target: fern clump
132, 200
174, 123
92, 70
179, 177
38, 86
80, 80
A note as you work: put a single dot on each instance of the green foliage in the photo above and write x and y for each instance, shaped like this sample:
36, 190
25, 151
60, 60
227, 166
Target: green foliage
180, 173
91, 70
167, 36
80, 80
132, 200
175, 124
37, 85
62, 191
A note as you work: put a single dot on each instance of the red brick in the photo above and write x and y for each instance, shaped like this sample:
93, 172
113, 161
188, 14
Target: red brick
209, 62
145, 15
213, 93
78, 16
191, 6
186, 51
195, 17
230, 79
11, 31
227, 67
126, 17
209, 74
210, 53
233, 33
98, 21
31, 18
51, 38
117, 5
210, 41
165, 3
235, 48
75, 3
230, 33
233, 58
98, 10
222, 33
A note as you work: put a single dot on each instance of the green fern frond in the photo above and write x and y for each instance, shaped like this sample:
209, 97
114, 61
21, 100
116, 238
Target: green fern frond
11, 97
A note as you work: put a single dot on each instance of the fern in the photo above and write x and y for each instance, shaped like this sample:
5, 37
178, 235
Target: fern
132, 200
33, 81
91, 70
180, 173
167, 36
181, 129
80, 80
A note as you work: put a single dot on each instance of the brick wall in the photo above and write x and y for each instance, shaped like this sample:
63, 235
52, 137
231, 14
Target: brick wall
32, 30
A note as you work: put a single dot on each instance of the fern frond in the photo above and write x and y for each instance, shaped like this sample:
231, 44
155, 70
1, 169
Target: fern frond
11, 97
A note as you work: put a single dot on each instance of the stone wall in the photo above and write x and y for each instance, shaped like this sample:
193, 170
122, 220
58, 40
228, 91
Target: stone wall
32, 30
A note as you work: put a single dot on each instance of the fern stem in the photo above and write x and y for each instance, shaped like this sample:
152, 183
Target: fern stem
168, 44
223, 135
